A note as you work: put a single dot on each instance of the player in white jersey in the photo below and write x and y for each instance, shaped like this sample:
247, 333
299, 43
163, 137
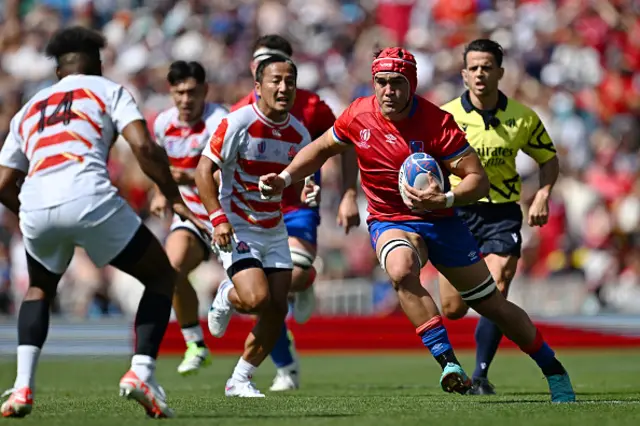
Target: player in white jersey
58, 144
183, 131
249, 233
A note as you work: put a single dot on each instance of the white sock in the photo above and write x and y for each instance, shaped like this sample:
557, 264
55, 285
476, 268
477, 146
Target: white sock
227, 290
192, 334
27, 362
144, 366
243, 371
290, 369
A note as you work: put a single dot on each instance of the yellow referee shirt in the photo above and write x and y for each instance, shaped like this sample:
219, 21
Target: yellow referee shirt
497, 136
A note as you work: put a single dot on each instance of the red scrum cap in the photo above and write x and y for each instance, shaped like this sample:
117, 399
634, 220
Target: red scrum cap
397, 59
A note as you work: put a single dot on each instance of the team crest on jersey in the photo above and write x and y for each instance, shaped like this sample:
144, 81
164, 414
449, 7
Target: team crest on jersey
195, 143
262, 147
242, 247
292, 153
365, 134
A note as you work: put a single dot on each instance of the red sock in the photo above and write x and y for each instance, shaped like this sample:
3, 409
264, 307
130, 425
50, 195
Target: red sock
432, 323
536, 345
312, 277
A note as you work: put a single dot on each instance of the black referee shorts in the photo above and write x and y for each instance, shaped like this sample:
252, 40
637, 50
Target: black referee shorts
496, 227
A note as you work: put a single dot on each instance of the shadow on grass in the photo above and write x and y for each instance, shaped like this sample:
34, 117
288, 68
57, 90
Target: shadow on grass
263, 416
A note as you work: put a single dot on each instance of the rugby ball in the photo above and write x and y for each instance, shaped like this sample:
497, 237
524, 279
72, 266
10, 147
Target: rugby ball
415, 171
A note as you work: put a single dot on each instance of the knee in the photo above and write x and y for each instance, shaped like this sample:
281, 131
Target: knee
303, 272
403, 271
279, 308
166, 281
39, 293
454, 308
180, 263
400, 260
177, 265
256, 300
503, 281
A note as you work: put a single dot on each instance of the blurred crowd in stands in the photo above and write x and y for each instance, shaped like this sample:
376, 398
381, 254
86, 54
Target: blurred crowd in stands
576, 62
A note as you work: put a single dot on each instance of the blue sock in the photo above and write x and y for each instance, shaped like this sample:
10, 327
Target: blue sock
488, 337
281, 353
437, 341
543, 356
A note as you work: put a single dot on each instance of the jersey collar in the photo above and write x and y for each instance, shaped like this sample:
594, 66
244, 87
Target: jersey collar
468, 106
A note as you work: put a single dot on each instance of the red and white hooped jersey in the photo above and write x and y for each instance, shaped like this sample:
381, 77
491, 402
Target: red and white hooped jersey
245, 146
62, 136
184, 143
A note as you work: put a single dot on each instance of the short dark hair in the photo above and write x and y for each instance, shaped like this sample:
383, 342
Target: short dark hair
179, 71
75, 40
272, 60
275, 42
485, 45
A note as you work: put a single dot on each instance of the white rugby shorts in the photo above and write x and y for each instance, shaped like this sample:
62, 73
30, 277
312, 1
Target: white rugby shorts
178, 223
271, 249
101, 224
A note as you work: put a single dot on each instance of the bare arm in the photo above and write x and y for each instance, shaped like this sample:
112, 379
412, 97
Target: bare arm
183, 177
207, 181
152, 159
349, 163
9, 188
539, 209
311, 158
475, 182
208, 187
348, 212
549, 172
308, 161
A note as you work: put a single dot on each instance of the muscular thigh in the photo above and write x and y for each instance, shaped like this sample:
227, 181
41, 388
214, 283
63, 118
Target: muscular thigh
145, 259
397, 244
279, 283
502, 268
185, 250
249, 279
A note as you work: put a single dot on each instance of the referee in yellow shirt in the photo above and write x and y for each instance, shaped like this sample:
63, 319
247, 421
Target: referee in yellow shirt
497, 127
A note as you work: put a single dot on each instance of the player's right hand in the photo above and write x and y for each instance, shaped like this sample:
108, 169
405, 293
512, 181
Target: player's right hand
223, 235
270, 185
159, 205
180, 208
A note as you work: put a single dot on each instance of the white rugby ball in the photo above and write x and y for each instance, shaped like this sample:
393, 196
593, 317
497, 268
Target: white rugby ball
415, 171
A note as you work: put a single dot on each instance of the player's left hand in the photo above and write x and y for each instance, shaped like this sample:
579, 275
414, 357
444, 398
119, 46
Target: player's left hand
348, 212
310, 193
183, 211
539, 210
431, 198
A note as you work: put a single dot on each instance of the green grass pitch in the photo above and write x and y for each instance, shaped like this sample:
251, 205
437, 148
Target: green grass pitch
355, 390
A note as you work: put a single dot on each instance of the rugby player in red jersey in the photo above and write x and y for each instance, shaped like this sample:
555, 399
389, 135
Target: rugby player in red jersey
384, 129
